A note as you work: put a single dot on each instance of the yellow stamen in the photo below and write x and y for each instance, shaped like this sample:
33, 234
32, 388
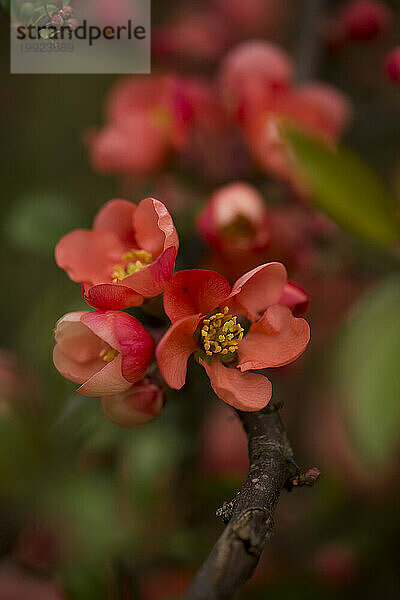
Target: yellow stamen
221, 333
133, 261
108, 354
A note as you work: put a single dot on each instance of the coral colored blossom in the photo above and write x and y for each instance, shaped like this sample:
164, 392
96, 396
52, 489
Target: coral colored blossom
316, 108
257, 87
146, 119
104, 351
140, 405
207, 317
128, 256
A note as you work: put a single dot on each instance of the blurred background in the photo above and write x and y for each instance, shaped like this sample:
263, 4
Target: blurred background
90, 510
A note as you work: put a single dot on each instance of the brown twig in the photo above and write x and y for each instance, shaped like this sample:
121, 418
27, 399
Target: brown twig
250, 515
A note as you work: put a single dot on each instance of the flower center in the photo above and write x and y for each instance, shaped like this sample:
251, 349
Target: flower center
108, 354
133, 261
221, 333
240, 227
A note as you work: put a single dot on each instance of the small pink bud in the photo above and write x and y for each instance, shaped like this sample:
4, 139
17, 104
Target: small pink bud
66, 12
364, 19
57, 19
137, 407
392, 65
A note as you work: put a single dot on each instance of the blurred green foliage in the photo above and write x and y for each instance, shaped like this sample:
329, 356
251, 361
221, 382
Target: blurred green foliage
346, 189
368, 376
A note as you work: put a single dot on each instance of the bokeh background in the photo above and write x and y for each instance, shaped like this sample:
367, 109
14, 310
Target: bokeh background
88, 510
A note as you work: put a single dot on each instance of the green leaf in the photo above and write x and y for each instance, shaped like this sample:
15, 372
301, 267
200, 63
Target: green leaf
345, 188
38, 14
368, 375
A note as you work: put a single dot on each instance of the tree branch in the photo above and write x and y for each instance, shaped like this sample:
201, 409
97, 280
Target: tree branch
250, 515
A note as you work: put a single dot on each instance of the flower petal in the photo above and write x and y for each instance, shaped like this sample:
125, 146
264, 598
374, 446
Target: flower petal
194, 291
154, 227
152, 280
125, 334
76, 353
89, 256
175, 348
295, 298
277, 339
106, 382
244, 391
258, 289
116, 217
111, 296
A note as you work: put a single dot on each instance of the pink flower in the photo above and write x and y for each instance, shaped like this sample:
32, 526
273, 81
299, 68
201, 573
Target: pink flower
251, 68
140, 405
257, 88
234, 219
146, 120
198, 36
104, 351
317, 108
128, 256
204, 312
358, 20
392, 65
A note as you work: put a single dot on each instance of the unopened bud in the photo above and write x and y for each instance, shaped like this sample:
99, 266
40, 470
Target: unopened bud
392, 65
66, 12
137, 407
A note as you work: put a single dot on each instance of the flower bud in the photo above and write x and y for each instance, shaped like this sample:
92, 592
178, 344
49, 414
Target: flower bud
57, 19
66, 12
140, 405
392, 65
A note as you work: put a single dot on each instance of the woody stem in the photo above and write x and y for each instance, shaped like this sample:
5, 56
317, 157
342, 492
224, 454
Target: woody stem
249, 517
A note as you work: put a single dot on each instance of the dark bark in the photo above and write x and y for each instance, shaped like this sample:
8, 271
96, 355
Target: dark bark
250, 515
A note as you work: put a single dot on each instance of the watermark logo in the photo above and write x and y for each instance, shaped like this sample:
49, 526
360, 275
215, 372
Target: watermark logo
80, 36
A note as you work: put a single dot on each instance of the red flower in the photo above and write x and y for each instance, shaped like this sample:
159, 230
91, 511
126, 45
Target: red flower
256, 84
128, 256
204, 312
146, 120
104, 351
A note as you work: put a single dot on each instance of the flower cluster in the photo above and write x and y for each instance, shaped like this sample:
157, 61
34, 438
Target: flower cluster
217, 126
128, 258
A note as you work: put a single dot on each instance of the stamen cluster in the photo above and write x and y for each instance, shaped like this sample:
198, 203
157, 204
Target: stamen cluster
138, 259
221, 333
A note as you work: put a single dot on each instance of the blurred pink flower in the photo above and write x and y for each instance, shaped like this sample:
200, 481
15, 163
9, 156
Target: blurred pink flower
146, 119
104, 351
255, 17
257, 88
223, 444
392, 65
128, 256
249, 70
336, 563
358, 20
137, 407
199, 36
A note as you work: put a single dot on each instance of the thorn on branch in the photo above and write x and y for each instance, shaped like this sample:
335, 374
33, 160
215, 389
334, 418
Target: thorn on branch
301, 479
